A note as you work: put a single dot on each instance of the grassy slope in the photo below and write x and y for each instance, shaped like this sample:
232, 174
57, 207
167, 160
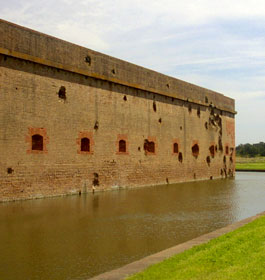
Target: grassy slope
236, 255
250, 163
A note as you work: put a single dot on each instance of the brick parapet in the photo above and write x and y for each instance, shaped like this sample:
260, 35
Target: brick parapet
23, 43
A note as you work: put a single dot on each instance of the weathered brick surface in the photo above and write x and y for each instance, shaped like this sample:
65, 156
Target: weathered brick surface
32, 44
97, 109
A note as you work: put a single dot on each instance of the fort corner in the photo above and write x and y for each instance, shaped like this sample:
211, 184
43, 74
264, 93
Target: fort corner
73, 120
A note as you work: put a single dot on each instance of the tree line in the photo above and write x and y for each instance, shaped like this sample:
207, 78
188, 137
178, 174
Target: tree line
251, 150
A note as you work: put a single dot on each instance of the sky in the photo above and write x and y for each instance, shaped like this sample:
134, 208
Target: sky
216, 44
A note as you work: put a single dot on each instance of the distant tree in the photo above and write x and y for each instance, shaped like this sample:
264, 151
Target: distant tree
251, 150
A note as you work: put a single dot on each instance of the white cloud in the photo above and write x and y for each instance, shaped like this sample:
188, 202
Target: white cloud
81, 36
216, 44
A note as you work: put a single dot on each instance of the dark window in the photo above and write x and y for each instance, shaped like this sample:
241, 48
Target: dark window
227, 150
195, 150
149, 146
85, 145
176, 148
37, 142
122, 146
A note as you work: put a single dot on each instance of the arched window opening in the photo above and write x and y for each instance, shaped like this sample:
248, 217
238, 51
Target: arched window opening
175, 148
195, 150
227, 150
85, 145
37, 142
122, 146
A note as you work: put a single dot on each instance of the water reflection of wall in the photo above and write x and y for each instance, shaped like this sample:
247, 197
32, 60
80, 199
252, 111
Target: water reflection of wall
75, 236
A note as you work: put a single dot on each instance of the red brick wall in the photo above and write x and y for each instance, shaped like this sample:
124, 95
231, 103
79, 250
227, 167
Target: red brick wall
19, 41
29, 103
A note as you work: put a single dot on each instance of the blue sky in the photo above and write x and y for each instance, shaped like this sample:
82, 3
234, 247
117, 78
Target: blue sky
219, 45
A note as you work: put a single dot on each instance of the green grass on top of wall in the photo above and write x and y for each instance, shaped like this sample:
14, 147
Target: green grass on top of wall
237, 255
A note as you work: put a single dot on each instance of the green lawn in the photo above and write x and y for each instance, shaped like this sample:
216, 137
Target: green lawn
251, 166
250, 163
237, 255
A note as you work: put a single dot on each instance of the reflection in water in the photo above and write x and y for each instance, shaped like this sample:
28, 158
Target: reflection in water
77, 237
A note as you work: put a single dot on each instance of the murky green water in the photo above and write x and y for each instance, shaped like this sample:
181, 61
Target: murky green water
78, 237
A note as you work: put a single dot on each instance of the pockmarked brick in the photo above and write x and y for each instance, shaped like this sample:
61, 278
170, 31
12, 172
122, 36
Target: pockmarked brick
73, 121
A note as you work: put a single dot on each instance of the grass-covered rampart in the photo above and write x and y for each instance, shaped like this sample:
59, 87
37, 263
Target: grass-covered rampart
250, 163
237, 255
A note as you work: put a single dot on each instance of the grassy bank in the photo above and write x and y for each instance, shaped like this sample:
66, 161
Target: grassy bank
237, 255
256, 163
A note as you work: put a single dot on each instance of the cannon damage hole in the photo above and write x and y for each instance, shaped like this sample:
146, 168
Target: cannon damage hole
96, 126
62, 93
198, 112
212, 150
208, 160
154, 106
220, 144
189, 108
96, 180
10, 170
88, 60
180, 157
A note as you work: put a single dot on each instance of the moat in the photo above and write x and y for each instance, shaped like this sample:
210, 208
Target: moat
77, 237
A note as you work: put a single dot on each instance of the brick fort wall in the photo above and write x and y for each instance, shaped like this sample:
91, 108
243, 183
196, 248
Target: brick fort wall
73, 120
